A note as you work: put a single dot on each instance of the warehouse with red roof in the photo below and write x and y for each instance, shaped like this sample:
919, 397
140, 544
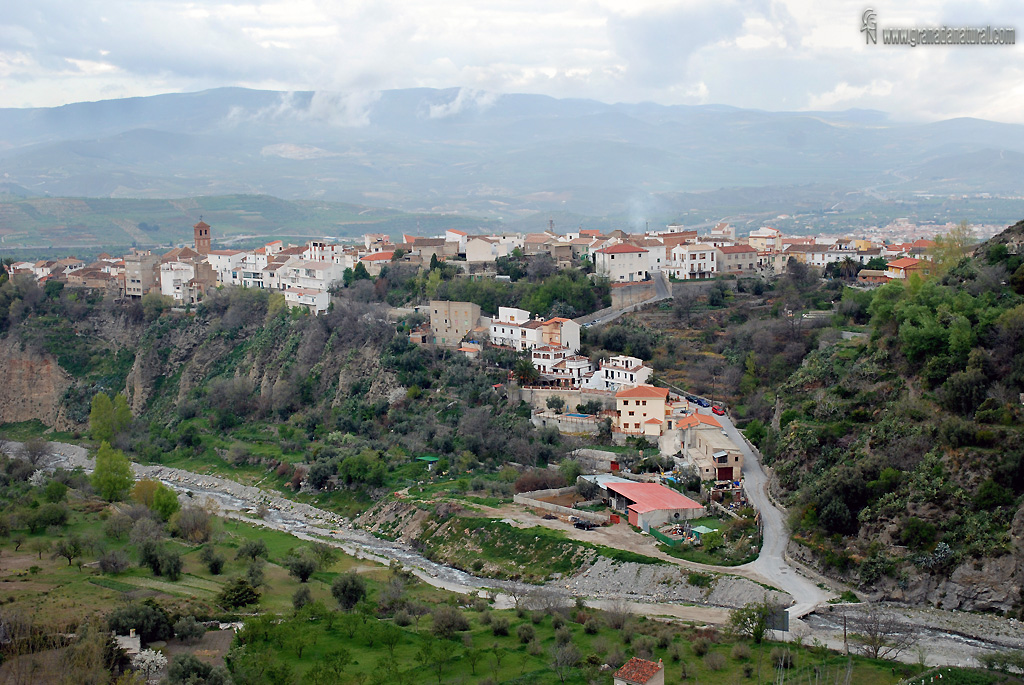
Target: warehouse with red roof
649, 505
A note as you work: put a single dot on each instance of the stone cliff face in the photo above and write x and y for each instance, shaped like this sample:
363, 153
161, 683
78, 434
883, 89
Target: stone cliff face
32, 386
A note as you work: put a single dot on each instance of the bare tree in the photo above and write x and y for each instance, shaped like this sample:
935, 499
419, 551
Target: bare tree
35, 450
564, 659
882, 634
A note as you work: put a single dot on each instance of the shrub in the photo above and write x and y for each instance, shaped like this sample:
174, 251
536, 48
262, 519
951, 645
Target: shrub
214, 562
189, 630
301, 597
525, 633
170, 564
499, 626
557, 621
114, 561
238, 593
714, 661
486, 618
348, 589
534, 648
185, 668
701, 646
251, 549
193, 524
147, 619
402, 618
592, 626
301, 568
740, 652
563, 636
781, 658
448, 620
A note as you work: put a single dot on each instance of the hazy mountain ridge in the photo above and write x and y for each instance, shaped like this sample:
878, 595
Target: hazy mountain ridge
461, 149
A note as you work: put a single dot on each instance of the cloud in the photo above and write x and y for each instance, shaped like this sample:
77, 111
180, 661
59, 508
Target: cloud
769, 54
467, 98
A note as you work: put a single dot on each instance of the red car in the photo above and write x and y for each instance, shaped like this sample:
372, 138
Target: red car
715, 409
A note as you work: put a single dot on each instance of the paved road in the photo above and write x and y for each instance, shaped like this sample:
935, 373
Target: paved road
771, 564
305, 521
661, 290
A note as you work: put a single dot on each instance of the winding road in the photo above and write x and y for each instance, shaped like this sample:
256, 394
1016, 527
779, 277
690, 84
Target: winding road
310, 523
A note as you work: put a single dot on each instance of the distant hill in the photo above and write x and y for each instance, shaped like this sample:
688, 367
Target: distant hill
499, 156
83, 224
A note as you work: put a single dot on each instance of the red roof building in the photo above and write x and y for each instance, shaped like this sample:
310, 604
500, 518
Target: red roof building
652, 504
639, 671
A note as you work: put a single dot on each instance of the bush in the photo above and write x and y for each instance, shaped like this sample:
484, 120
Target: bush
185, 668
147, 619
499, 626
251, 549
348, 589
301, 568
701, 646
402, 618
592, 626
193, 524
563, 636
448, 620
189, 630
714, 661
781, 658
525, 633
114, 561
485, 618
301, 597
740, 652
170, 564
214, 562
237, 594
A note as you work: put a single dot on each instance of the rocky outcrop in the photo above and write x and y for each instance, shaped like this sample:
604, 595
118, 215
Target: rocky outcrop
32, 385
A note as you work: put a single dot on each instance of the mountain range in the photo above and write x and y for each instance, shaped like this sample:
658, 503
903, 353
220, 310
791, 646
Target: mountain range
492, 156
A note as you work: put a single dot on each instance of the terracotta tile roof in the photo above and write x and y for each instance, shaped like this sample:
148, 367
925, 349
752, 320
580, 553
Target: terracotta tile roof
378, 257
736, 249
456, 231
638, 670
697, 419
643, 391
622, 248
904, 263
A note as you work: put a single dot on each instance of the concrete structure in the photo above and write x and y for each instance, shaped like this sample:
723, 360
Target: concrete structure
737, 259
622, 263
903, 268
712, 453
688, 262
619, 372
376, 261
765, 239
451, 321
641, 410
316, 301
141, 273
650, 505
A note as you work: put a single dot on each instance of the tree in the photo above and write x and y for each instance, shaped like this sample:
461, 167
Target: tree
193, 524
880, 633
148, 662
121, 418
143, 491
101, 417
752, 619
165, 502
301, 567
112, 476
390, 635
251, 549
55, 492
348, 589
70, 548
186, 668
147, 619
951, 247
34, 450
556, 403
238, 593
189, 630
359, 273
564, 659
526, 373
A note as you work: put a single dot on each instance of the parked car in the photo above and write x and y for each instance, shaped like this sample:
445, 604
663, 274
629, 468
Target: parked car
703, 402
585, 525
717, 410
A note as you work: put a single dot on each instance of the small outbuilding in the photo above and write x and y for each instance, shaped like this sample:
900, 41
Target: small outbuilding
639, 671
650, 505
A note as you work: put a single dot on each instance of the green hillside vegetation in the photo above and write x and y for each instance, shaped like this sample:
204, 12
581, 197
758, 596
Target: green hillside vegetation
913, 435
85, 226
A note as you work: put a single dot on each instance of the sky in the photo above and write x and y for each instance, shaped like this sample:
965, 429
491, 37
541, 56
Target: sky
765, 54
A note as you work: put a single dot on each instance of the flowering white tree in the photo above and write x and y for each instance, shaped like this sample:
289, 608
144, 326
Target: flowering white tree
148, 661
